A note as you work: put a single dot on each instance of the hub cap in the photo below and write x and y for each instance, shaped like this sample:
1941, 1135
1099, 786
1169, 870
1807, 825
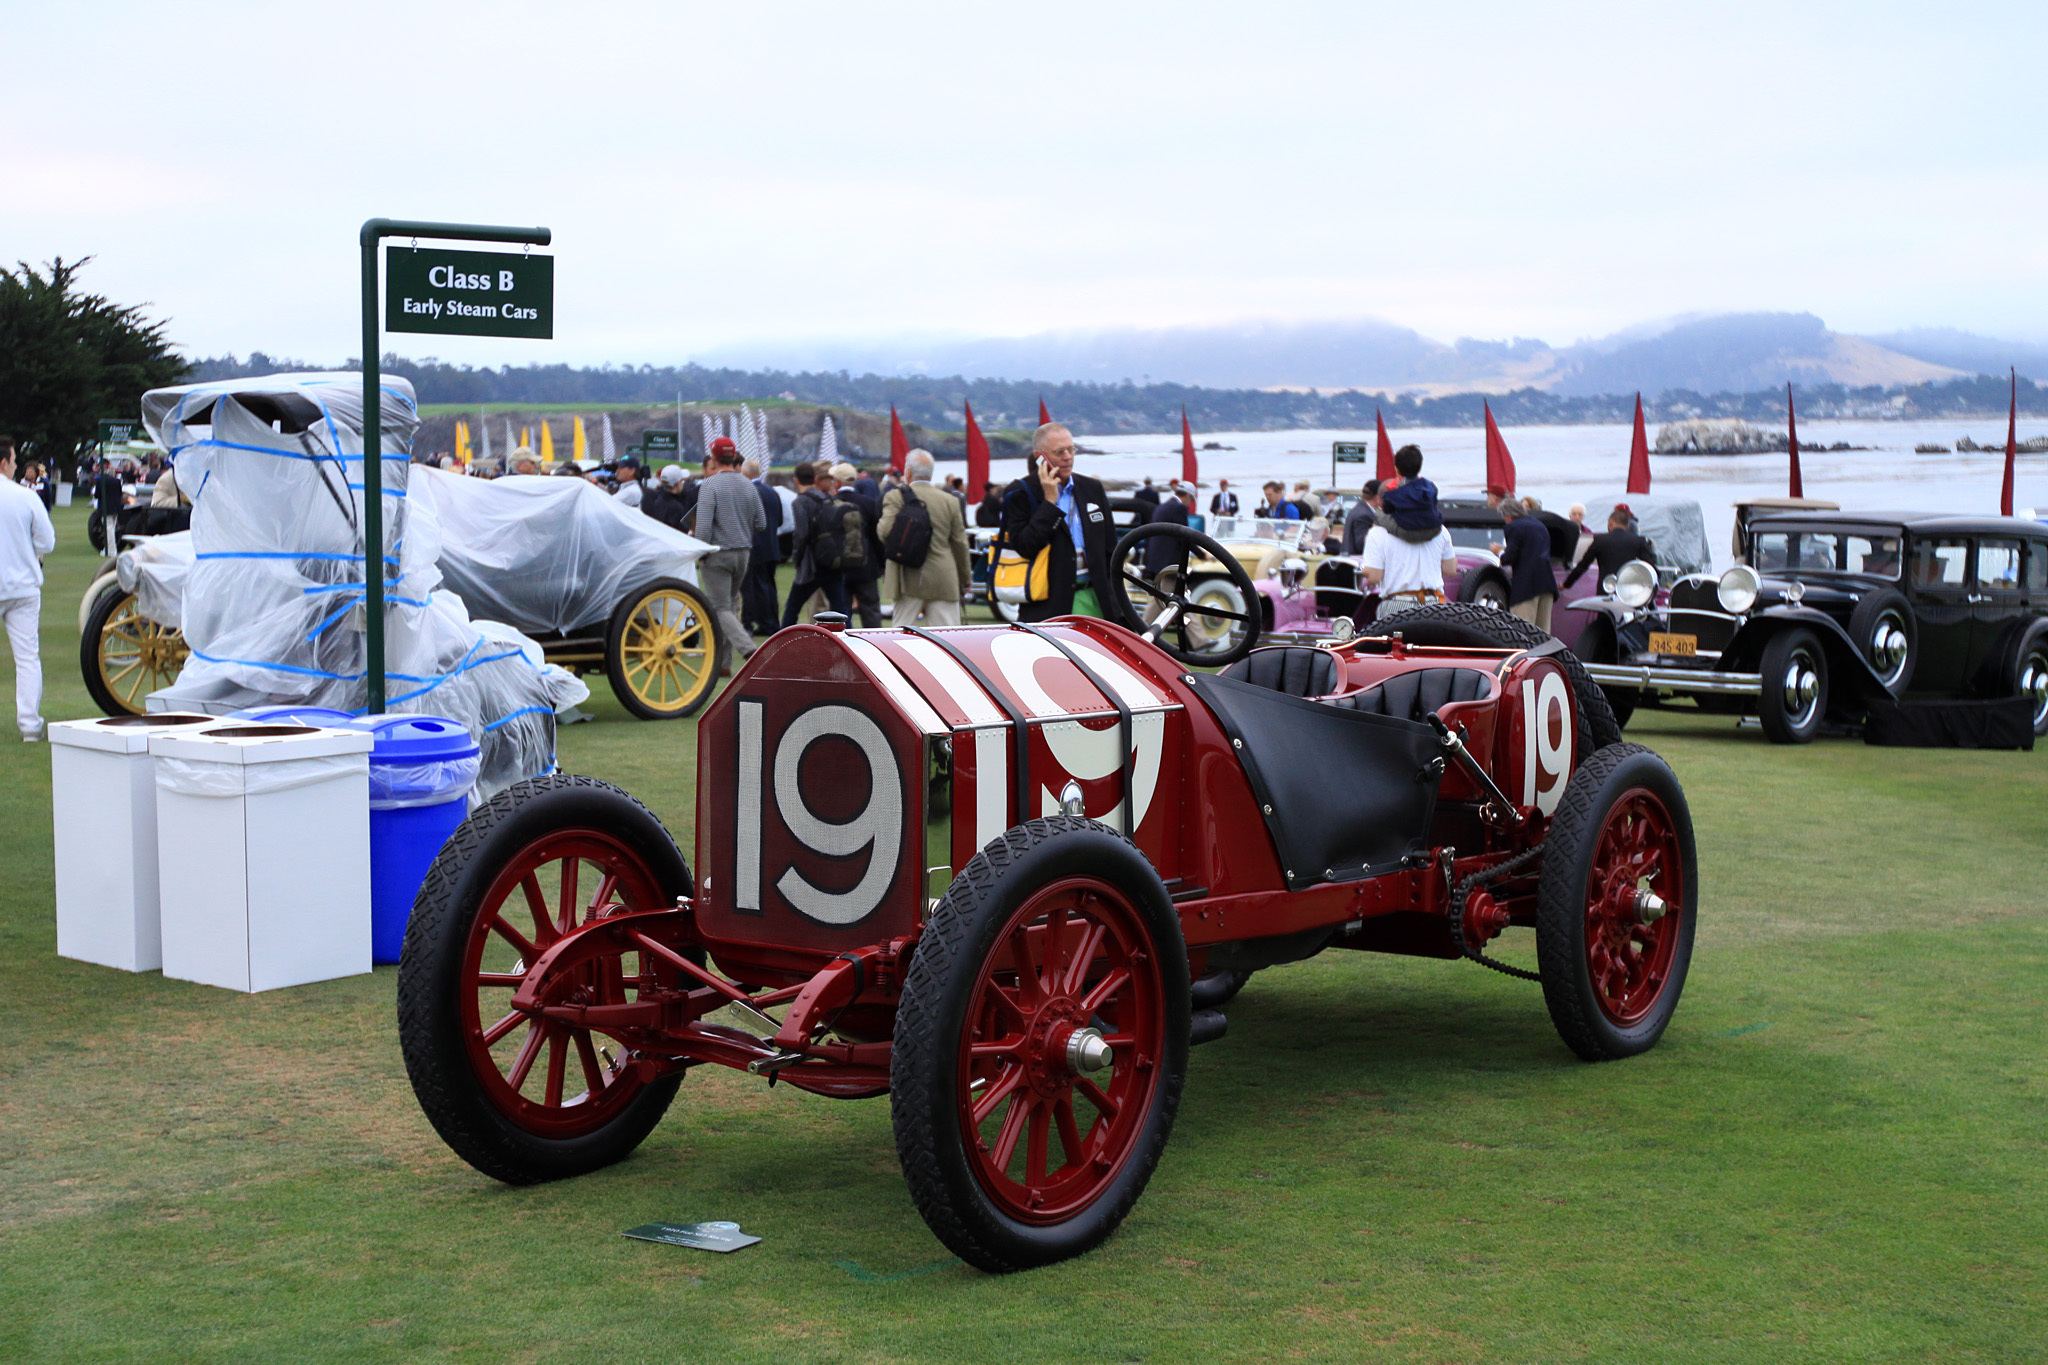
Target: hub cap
2034, 684
1801, 688
1887, 649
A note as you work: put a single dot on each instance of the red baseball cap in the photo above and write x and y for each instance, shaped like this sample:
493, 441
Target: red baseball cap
724, 445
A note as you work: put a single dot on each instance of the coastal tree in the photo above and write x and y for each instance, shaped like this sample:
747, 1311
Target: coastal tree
69, 358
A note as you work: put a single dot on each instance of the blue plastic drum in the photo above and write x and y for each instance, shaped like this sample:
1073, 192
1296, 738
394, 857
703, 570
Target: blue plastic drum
422, 769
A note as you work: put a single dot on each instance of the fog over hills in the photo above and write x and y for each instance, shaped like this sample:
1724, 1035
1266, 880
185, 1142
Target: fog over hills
1725, 353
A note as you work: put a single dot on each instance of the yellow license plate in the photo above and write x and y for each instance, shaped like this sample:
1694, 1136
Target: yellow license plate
1674, 644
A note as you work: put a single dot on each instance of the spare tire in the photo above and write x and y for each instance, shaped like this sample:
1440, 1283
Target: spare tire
1888, 636
1456, 624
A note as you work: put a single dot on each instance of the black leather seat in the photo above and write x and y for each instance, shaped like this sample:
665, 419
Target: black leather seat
1415, 696
1297, 670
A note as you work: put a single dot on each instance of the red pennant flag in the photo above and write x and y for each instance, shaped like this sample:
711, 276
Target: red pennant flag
1639, 455
1044, 417
1187, 451
1792, 441
899, 444
2012, 448
977, 456
1386, 472
1500, 466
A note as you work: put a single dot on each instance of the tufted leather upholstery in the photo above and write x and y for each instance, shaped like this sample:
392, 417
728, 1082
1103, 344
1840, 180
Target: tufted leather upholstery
1297, 670
1413, 696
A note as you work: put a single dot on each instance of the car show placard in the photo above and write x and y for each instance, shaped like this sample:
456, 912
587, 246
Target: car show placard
469, 293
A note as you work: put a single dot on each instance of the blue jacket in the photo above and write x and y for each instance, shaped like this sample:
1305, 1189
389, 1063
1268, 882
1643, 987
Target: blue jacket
1526, 557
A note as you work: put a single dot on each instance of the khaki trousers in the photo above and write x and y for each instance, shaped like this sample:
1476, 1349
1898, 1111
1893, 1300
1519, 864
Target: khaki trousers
903, 612
1536, 611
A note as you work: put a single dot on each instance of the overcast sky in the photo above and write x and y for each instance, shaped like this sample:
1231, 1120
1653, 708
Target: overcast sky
732, 172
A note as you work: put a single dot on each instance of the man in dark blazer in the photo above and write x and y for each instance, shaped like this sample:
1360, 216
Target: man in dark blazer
1053, 506
764, 613
1612, 548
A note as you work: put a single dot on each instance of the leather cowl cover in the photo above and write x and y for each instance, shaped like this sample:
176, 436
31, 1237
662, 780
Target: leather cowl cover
1345, 794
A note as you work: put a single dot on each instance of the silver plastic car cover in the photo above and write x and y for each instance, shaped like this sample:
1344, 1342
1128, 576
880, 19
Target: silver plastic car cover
545, 553
272, 604
1675, 528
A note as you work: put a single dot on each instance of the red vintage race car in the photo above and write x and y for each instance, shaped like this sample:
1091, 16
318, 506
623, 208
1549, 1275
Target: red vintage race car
1008, 875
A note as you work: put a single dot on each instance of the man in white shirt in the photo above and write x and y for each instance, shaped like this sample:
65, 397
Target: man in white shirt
1406, 571
630, 490
25, 537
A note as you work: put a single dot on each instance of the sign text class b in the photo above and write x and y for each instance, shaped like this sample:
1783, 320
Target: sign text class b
469, 293
1350, 452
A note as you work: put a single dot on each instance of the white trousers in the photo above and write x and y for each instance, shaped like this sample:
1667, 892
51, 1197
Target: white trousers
24, 622
904, 612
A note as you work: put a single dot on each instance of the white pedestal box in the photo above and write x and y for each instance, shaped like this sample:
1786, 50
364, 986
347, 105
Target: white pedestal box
263, 846
103, 809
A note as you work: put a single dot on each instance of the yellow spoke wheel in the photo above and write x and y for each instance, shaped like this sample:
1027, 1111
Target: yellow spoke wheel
125, 656
661, 649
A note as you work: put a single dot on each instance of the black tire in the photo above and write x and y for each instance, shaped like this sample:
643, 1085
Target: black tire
1116, 599
640, 673
1598, 645
1460, 623
1790, 714
934, 1017
1876, 617
156, 650
1218, 989
430, 977
96, 530
2029, 677
1484, 588
1563, 907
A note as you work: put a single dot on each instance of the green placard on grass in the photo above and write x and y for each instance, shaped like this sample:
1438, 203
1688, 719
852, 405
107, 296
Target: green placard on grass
469, 293
719, 1237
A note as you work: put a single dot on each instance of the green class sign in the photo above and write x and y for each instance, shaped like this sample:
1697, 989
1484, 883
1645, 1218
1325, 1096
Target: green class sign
1350, 452
469, 293
115, 431
661, 442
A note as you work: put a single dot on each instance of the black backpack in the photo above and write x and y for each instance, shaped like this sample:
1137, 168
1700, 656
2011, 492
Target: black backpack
910, 535
839, 541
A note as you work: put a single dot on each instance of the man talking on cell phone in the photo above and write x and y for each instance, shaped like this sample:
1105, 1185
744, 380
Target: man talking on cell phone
1053, 506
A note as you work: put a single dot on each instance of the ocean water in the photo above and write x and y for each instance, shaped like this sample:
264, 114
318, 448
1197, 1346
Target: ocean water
1567, 464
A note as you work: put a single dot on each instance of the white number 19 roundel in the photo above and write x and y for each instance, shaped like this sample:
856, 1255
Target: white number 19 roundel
1543, 759
878, 827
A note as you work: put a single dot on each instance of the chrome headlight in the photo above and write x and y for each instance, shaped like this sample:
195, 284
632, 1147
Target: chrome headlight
1795, 593
1738, 589
1608, 584
1636, 584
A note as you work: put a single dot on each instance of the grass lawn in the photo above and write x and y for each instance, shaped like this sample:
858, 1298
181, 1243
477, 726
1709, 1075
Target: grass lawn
1836, 1154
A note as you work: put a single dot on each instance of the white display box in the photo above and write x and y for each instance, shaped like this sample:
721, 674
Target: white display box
103, 812
263, 848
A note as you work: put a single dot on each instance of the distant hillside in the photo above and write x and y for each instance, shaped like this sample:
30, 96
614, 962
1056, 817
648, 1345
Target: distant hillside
1737, 352
1006, 409
1730, 353
1968, 352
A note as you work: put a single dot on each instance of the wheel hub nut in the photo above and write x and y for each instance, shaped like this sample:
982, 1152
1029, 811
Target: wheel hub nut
1650, 906
1086, 1051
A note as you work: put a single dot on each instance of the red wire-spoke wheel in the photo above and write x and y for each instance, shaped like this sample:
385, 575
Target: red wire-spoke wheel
1041, 1045
1617, 903
525, 1097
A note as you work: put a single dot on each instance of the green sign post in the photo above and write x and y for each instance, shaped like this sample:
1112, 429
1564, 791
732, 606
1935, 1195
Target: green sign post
1348, 452
655, 443
529, 292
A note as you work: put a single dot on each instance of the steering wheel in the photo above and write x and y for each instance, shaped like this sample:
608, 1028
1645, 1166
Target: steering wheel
1210, 622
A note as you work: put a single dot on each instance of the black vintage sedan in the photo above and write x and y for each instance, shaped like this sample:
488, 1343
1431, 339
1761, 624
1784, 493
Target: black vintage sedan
1834, 610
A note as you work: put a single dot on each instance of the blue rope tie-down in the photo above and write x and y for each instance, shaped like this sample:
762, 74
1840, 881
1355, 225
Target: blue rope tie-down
215, 443
511, 716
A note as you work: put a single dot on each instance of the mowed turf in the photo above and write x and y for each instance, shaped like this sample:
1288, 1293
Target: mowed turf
1835, 1154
